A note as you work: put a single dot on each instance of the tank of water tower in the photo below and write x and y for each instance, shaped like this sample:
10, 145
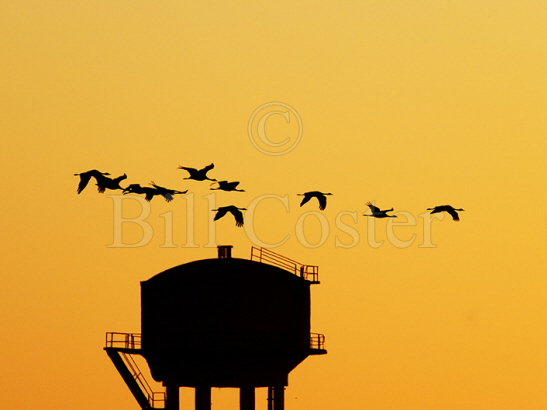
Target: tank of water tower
228, 322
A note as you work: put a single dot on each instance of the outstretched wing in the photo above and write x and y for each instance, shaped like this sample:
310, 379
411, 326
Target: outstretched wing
373, 209
166, 193
305, 199
84, 179
121, 177
221, 185
453, 214
102, 183
192, 171
220, 213
208, 167
150, 194
238, 217
86, 176
322, 202
156, 186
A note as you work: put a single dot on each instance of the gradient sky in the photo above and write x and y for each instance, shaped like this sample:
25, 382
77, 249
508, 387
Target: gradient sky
408, 104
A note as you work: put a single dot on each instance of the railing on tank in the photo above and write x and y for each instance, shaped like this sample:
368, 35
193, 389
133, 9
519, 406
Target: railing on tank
317, 341
307, 272
123, 340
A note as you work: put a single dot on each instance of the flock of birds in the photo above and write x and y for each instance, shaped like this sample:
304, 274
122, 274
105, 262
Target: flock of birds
104, 182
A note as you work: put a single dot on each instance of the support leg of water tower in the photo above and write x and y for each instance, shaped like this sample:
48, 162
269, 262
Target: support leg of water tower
172, 398
279, 397
247, 398
203, 398
270, 398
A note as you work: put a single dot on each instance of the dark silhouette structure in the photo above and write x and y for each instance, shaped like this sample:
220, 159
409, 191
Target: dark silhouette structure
227, 186
315, 194
377, 213
222, 322
446, 208
199, 175
234, 210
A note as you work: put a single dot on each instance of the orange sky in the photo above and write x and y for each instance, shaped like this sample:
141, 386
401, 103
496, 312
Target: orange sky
407, 104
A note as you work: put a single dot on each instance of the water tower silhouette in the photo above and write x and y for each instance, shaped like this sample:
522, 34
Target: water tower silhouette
222, 322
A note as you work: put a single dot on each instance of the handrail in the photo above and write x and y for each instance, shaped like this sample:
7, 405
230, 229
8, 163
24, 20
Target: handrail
307, 272
230, 341
265, 255
130, 342
139, 378
317, 341
123, 340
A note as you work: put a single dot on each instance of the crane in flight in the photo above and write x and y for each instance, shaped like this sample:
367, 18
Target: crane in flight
234, 210
86, 176
446, 208
137, 189
199, 174
315, 194
227, 186
167, 193
378, 213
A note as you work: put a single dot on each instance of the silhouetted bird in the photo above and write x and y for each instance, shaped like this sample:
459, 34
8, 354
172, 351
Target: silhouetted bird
167, 193
315, 194
104, 183
234, 210
86, 176
377, 213
199, 175
446, 208
227, 186
137, 189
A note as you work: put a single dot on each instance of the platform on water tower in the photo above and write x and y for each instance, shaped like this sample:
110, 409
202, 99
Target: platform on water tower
121, 347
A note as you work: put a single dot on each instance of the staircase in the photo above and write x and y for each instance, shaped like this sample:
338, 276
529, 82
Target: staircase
120, 347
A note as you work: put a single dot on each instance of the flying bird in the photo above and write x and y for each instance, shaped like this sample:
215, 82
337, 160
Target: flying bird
446, 208
377, 213
137, 189
167, 193
315, 194
86, 176
199, 175
227, 186
104, 183
234, 210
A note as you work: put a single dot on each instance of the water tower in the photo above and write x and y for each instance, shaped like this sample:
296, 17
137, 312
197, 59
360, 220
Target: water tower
223, 322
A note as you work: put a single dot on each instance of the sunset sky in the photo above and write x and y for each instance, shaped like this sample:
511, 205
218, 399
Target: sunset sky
408, 104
